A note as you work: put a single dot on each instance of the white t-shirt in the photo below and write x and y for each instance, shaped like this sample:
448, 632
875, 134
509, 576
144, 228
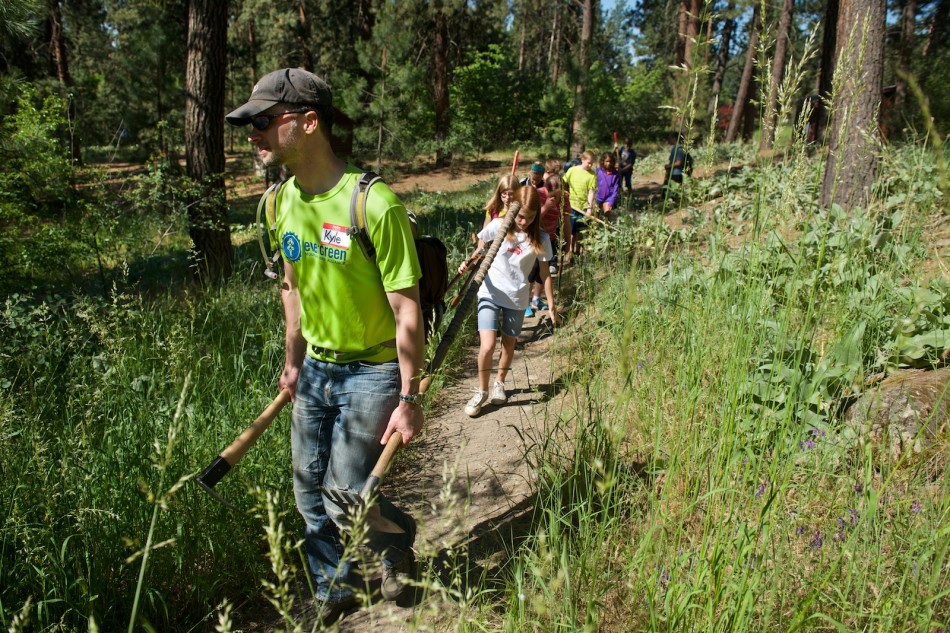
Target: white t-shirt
506, 284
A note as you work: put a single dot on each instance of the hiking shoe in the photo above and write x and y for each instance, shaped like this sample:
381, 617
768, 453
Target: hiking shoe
398, 577
475, 405
498, 395
332, 609
553, 270
538, 304
529, 311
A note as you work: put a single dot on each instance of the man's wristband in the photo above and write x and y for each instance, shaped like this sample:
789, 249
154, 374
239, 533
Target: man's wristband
414, 398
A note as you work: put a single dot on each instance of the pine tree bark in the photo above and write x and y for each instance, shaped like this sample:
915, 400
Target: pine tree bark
722, 58
212, 256
440, 65
306, 55
779, 59
854, 131
828, 38
908, 22
587, 33
60, 59
937, 30
745, 83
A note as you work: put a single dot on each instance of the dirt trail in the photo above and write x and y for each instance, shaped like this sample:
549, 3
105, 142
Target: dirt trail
467, 483
471, 477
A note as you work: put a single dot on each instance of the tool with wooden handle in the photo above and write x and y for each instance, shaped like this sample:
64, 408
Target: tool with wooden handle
360, 506
230, 456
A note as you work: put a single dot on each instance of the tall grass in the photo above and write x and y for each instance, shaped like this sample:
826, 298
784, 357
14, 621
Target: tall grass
710, 483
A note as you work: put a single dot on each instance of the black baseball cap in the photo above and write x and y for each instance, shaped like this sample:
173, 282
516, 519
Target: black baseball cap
291, 86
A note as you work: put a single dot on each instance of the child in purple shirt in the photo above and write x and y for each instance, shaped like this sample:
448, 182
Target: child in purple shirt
608, 183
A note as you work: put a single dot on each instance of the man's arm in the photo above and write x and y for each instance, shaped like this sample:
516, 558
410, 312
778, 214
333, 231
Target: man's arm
295, 346
410, 348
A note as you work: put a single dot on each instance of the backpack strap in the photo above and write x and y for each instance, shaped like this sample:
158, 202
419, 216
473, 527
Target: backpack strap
359, 227
268, 206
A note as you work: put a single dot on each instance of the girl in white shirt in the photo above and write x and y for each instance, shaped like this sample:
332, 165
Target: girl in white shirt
505, 293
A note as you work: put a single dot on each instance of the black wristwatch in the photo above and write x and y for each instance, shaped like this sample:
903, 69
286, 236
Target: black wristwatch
415, 398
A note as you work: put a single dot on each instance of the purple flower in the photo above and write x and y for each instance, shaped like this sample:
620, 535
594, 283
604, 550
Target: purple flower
639, 365
761, 489
840, 523
858, 488
854, 516
800, 530
816, 540
810, 444
915, 508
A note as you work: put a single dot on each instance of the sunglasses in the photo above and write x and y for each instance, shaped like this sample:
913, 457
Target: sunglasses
262, 121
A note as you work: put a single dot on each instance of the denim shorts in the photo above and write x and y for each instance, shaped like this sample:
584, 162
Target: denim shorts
488, 314
577, 222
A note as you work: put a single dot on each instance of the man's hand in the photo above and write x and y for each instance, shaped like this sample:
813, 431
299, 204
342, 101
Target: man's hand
407, 419
288, 380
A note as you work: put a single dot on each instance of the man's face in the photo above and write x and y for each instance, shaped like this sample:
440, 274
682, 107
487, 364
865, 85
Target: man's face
536, 178
276, 143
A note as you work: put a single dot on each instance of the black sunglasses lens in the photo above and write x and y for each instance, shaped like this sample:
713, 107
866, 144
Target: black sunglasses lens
261, 122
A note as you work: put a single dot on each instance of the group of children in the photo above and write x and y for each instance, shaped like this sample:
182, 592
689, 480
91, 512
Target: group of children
552, 214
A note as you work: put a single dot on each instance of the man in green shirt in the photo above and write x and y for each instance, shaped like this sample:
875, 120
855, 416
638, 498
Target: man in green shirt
354, 346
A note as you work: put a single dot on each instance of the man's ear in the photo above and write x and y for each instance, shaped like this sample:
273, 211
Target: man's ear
311, 123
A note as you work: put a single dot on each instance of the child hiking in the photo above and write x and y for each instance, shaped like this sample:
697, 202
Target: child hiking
504, 294
497, 205
608, 183
582, 187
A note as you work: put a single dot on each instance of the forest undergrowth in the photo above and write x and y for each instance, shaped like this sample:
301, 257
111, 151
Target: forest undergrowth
713, 487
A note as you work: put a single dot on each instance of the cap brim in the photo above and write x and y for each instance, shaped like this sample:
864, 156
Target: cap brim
244, 114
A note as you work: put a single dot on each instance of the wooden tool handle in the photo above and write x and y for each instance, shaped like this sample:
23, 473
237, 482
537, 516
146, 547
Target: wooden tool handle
382, 465
235, 452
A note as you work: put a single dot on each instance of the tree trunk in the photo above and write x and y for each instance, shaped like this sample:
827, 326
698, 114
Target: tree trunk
745, 84
721, 60
770, 120
854, 129
440, 65
828, 38
61, 64
587, 33
937, 29
306, 55
212, 256
895, 116
554, 50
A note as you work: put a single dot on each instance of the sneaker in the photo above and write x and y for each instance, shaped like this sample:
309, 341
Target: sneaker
538, 304
333, 608
498, 393
552, 269
529, 311
475, 405
397, 578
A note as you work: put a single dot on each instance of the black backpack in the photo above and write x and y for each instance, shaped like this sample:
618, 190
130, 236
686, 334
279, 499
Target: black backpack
433, 256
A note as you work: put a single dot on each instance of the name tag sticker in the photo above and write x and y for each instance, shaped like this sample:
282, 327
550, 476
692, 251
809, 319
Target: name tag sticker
334, 235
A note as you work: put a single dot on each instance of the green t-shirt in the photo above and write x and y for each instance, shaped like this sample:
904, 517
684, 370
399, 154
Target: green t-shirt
342, 294
580, 182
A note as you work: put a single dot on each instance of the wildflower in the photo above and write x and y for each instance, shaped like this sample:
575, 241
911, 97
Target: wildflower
800, 530
840, 523
761, 489
854, 516
810, 444
816, 540
915, 508
858, 488
639, 366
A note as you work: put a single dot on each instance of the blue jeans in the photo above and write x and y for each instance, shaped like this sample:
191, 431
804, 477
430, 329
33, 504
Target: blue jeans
339, 416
